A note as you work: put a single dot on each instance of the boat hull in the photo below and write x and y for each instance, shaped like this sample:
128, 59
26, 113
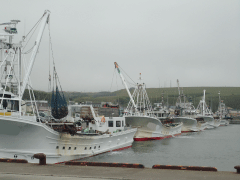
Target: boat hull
150, 128
224, 122
189, 124
210, 121
21, 139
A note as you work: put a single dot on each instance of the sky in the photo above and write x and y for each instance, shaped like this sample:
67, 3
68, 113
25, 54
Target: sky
197, 42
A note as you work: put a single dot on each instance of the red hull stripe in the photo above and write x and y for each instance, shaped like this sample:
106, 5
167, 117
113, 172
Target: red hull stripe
122, 148
155, 138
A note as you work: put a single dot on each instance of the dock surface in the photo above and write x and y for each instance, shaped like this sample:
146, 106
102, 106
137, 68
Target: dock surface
61, 172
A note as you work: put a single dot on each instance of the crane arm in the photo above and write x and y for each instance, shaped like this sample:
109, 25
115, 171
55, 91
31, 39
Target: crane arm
124, 82
35, 50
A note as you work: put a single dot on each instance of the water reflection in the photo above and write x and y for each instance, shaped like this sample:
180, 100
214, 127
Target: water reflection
218, 148
144, 146
166, 142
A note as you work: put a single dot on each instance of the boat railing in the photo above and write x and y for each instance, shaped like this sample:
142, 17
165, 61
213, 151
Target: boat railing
7, 112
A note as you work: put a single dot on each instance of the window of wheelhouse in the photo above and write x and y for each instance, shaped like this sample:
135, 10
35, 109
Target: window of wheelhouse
118, 123
8, 103
110, 123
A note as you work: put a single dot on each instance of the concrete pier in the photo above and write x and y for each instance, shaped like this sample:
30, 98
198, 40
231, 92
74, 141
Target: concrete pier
62, 172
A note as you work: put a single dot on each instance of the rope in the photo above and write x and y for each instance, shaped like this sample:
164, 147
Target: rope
54, 66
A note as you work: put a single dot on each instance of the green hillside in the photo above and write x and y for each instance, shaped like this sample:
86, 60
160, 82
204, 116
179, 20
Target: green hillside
230, 95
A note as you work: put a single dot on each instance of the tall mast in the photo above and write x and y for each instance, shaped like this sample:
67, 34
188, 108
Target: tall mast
124, 82
204, 102
179, 91
35, 49
220, 108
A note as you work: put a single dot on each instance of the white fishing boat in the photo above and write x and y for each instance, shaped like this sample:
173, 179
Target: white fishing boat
161, 111
206, 113
222, 113
141, 115
22, 136
186, 113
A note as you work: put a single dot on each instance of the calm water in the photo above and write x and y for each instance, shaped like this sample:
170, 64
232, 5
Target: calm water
218, 148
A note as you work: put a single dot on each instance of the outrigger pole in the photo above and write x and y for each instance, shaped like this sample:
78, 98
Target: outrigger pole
124, 82
35, 49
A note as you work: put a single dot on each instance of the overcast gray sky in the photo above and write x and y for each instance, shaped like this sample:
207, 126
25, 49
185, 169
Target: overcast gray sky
197, 42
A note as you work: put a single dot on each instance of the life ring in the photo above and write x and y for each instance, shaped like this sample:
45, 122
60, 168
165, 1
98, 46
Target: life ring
103, 119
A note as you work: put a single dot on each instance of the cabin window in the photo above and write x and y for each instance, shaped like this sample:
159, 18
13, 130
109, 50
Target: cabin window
75, 148
57, 147
85, 148
90, 148
118, 123
94, 147
98, 147
63, 147
69, 148
122, 123
110, 123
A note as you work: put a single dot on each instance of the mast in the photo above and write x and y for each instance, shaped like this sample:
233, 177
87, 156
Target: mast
179, 91
204, 102
35, 49
124, 82
220, 108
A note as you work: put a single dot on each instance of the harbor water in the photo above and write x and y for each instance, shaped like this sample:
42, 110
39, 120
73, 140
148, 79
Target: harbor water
218, 148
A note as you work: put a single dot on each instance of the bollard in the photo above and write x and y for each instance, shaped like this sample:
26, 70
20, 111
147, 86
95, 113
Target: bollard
41, 157
237, 168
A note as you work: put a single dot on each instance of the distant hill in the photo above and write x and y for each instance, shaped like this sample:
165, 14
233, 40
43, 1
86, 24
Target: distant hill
230, 95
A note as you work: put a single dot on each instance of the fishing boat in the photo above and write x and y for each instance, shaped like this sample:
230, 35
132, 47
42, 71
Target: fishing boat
60, 136
206, 113
141, 115
161, 111
186, 113
222, 113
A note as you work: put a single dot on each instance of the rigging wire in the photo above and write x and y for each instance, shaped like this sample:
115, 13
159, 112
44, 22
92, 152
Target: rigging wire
34, 26
32, 33
127, 74
116, 79
49, 53
57, 81
112, 79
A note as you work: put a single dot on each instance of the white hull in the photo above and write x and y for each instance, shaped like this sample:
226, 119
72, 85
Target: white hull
150, 128
190, 124
210, 121
217, 122
202, 125
24, 138
224, 122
